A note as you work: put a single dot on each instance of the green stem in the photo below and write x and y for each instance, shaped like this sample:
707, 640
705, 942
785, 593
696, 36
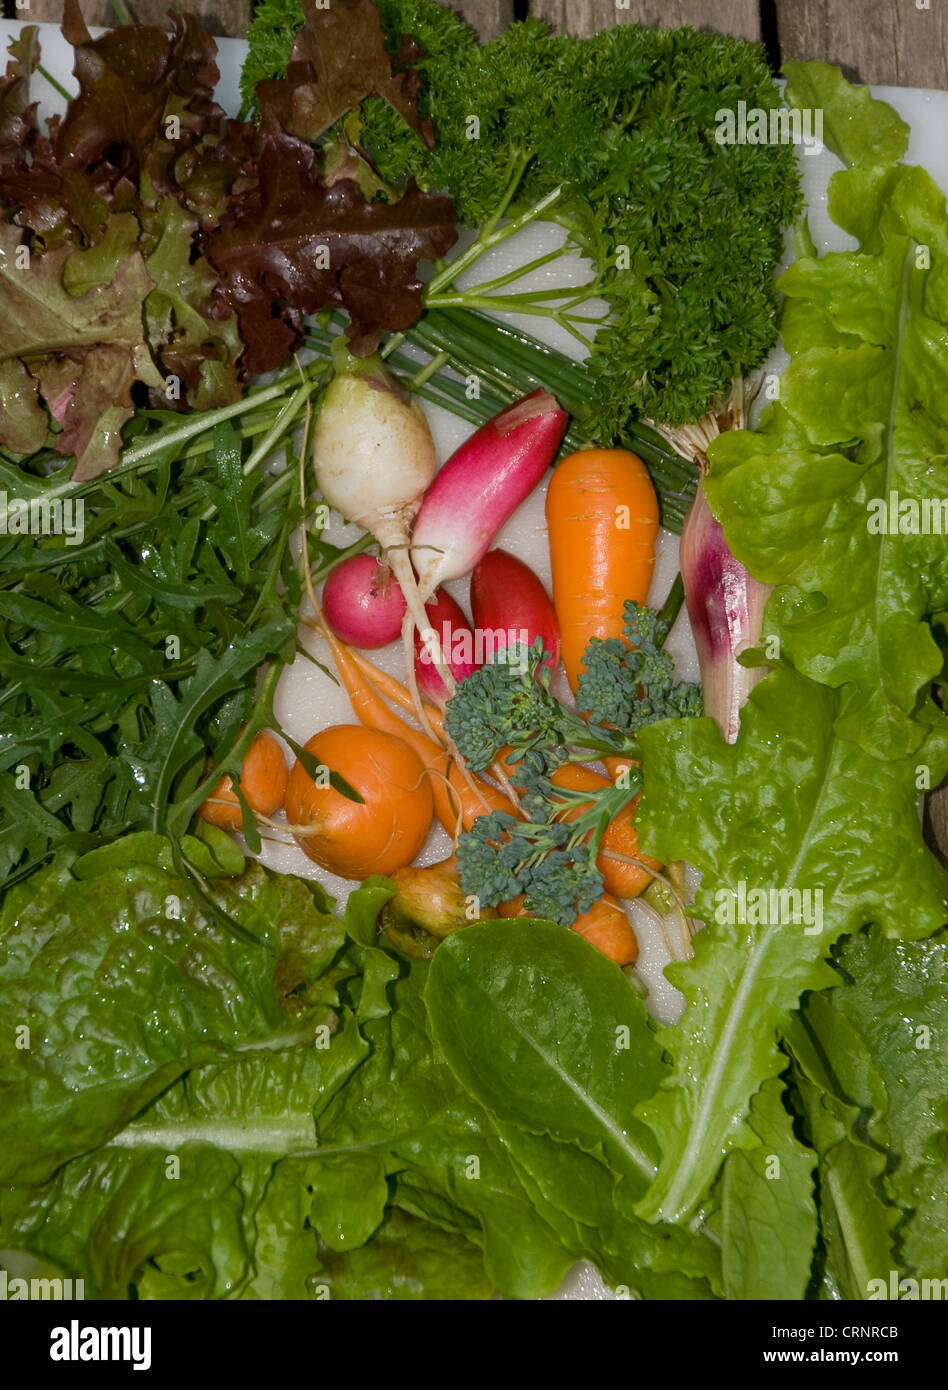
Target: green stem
672, 606
517, 273
57, 86
487, 240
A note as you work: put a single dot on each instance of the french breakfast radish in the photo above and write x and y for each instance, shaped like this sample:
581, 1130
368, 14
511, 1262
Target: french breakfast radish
383, 832
263, 778
602, 519
453, 632
363, 603
481, 485
509, 604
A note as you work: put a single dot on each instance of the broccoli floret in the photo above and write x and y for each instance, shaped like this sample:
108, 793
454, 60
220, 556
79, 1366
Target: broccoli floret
627, 687
501, 857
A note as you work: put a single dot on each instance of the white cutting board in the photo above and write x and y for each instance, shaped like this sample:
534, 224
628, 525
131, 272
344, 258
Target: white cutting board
307, 700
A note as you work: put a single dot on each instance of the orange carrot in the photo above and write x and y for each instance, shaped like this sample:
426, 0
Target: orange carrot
606, 927
378, 835
619, 838
602, 519
262, 781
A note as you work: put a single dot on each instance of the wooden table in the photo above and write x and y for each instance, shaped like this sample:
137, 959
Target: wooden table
900, 43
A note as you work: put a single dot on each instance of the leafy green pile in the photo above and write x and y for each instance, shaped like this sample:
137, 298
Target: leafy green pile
806, 830
614, 138
305, 1113
147, 241
862, 419
192, 1115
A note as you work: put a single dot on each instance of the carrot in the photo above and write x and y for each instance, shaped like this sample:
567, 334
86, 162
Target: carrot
381, 833
263, 779
620, 837
459, 795
606, 927
602, 519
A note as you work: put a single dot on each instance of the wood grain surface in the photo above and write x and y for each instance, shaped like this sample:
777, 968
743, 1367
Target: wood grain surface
901, 43
231, 17
584, 17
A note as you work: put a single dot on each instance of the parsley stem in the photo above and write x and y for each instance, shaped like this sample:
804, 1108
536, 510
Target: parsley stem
489, 239
517, 273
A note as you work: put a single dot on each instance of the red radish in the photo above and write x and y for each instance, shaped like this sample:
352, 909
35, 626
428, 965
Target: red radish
453, 631
507, 600
363, 603
481, 485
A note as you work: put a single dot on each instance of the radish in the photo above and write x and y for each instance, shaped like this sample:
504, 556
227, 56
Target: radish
374, 458
363, 603
452, 630
510, 605
481, 485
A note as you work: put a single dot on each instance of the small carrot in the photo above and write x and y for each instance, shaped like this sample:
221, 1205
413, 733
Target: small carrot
602, 519
460, 796
383, 832
620, 837
607, 927
604, 926
263, 779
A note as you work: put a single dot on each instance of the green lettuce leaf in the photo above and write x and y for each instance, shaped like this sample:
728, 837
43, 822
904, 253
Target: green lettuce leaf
790, 806
436, 1147
117, 983
768, 1220
406, 1259
546, 1034
828, 498
879, 1039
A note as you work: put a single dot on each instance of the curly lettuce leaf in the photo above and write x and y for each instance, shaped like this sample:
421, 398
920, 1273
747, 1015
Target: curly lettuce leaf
790, 806
828, 498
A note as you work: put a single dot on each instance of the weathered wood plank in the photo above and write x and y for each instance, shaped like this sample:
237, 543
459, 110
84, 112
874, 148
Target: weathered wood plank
893, 44
584, 17
231, 17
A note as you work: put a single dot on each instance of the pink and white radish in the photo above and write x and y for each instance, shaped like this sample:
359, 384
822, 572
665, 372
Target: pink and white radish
481, 485
363, 603
374, 458
510, 605
451, 629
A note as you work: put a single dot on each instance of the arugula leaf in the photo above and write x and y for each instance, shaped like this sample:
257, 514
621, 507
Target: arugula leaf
777, 811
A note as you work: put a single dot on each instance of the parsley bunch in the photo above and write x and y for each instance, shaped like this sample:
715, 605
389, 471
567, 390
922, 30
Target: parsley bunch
613, 137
